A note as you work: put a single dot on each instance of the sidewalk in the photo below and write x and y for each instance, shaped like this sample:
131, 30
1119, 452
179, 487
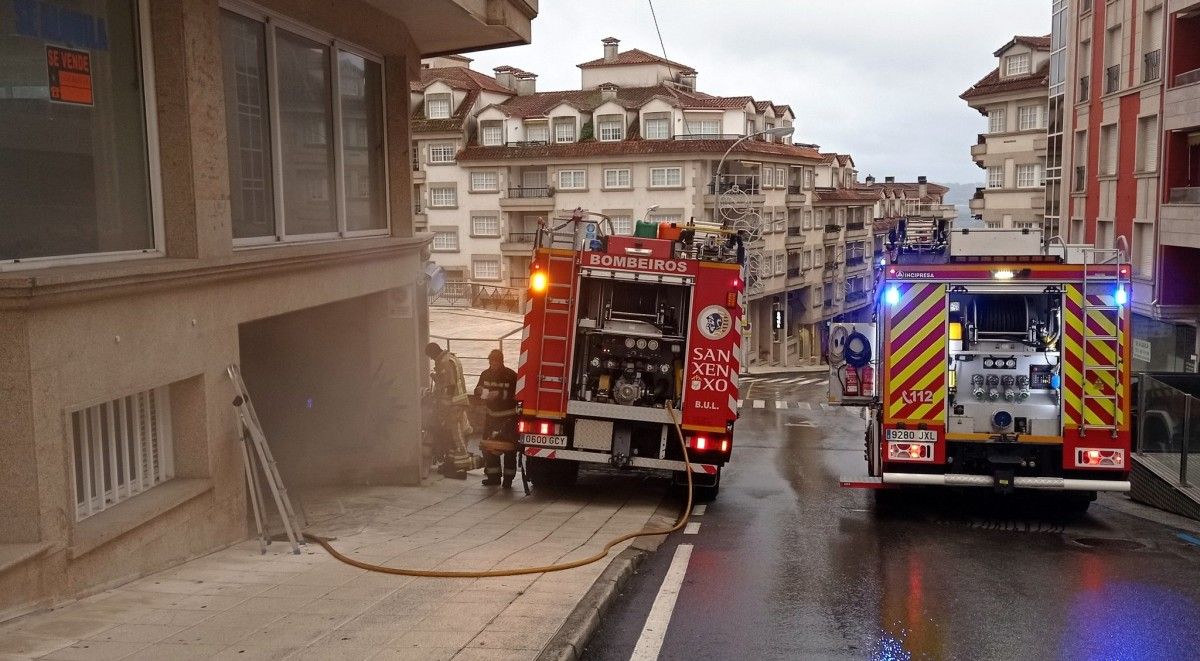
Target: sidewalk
238, 604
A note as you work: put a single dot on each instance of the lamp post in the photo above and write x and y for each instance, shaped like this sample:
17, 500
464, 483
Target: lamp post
777, 132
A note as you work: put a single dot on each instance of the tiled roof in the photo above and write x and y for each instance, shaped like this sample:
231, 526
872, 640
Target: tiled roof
459, 78
827, 158
910, 190
994, 84
541, 103
633, 56
847, 195
634, 147
783, 108
1036, 43
420, 124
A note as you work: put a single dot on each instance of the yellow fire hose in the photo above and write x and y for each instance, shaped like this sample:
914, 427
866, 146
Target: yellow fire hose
434, 573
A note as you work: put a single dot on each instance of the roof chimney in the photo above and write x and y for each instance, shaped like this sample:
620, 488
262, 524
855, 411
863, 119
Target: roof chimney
526, 83
922, 186
608, 91
504, 77
870, 180
687, 78
889, 180
922, 180
610, 48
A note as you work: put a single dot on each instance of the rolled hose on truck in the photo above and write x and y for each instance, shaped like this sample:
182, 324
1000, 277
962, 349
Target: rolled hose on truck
544, 569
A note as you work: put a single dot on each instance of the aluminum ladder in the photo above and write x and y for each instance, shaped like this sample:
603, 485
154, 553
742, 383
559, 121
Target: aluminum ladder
559, 308
1093, 256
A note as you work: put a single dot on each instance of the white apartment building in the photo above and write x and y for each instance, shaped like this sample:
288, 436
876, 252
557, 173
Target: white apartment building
493, 157
1013, 97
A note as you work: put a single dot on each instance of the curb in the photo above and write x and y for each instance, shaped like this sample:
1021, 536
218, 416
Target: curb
572, 637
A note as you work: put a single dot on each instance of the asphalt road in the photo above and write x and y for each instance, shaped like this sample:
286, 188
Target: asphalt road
788, 565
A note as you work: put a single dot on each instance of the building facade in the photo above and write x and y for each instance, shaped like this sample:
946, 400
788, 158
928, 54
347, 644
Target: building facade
638, 140
1012, 152
1131, 158
186, 185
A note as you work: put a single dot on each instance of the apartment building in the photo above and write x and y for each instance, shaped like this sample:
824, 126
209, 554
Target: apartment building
1131, 158
1012, 152
494, 156
213, 183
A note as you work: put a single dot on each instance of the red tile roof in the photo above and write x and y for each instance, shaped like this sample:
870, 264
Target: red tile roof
1036, 43
634, 147
994, 84
634, 56
909, 189
420, 124
846, 195
459, 78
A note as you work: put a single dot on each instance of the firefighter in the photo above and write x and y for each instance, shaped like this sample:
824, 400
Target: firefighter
497, 387
450, 411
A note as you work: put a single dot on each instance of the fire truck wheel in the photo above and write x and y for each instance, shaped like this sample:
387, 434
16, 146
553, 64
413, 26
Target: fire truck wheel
551, 474
1076, 503
701, 493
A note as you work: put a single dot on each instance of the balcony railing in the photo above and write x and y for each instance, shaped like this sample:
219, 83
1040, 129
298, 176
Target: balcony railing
794, 272
1184, 195
827, 302
527, 143
833, 228
521, 237
855, 227
1085, 88
856, 260
1187, 78
746, 183
855, 295
1112, 79
795, 231
527, 192
795, 190
1151, 65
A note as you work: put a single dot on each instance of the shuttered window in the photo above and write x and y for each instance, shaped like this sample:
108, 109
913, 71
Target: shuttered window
1148, 144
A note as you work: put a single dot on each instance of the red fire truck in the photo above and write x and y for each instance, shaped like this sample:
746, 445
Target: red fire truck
993, 362
624, 336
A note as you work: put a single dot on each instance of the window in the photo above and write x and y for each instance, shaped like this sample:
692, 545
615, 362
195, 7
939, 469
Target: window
486, 225
617, 178
666, 177
703, 126
808, 219
996, 121
780, 220
491, 134
781, 177
1016, 65
780, 263
1108, 149
1031, 117
564, 129
1143, 249
537, 132
657, 128
443, 196
622, 225
329, 118
445, 240
485, 267
121, 448
808, 259
75, 168
665, 217
1147, 156
572, 179
486, 181
995, 176
612, 127
442, 152
437, 106
1028, 175
768, 177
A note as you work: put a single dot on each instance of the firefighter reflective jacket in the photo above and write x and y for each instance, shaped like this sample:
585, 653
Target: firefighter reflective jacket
449, 385
498, 386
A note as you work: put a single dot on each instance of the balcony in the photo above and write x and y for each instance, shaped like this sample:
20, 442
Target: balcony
744, 183
1085, 89
528, 198
1112, 79
1184, 195
855, 228
708, 136
1151, 65
795, 195
527, 143
979, 149
856, 262
794, 272
518, 243
795, 236
833, 228
1187, 78
855, 296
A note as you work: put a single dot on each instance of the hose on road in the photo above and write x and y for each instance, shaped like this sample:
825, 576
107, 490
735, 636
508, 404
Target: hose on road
599, 555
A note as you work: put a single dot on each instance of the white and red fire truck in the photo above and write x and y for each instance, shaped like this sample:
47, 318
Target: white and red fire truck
624, 336
993, 361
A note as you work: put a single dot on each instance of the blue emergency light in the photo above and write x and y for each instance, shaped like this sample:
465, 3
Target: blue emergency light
892, 295
1121, 296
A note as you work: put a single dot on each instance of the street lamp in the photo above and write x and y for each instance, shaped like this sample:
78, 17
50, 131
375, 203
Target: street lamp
776, 132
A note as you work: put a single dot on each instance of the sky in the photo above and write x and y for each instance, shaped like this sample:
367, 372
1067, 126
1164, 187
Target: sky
878, 79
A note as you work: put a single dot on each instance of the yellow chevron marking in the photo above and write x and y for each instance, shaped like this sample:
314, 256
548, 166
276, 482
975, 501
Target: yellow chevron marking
901, 325
912, 367
935, 325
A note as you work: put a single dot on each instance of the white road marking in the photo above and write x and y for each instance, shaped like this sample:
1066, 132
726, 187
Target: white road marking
650, 643
809, 382
739, 403
699, 510
780, 404
692, 528
802, 423
759, 404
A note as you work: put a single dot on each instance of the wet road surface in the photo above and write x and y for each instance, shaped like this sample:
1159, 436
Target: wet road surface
788, 565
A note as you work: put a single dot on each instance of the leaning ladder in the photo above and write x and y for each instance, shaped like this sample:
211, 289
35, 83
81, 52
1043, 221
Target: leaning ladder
254, 446
560, 307
1096, 256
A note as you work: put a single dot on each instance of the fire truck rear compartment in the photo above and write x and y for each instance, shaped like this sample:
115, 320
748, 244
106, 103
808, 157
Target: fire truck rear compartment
1005, 459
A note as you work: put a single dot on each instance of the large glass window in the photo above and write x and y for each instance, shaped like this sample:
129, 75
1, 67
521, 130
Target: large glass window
305, 133
74, 141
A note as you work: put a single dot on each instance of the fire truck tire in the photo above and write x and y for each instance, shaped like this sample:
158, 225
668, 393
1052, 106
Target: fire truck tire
551, 474
700, 493
1076, 503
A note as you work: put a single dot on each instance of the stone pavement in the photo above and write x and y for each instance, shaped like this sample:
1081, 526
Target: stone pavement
238, 604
